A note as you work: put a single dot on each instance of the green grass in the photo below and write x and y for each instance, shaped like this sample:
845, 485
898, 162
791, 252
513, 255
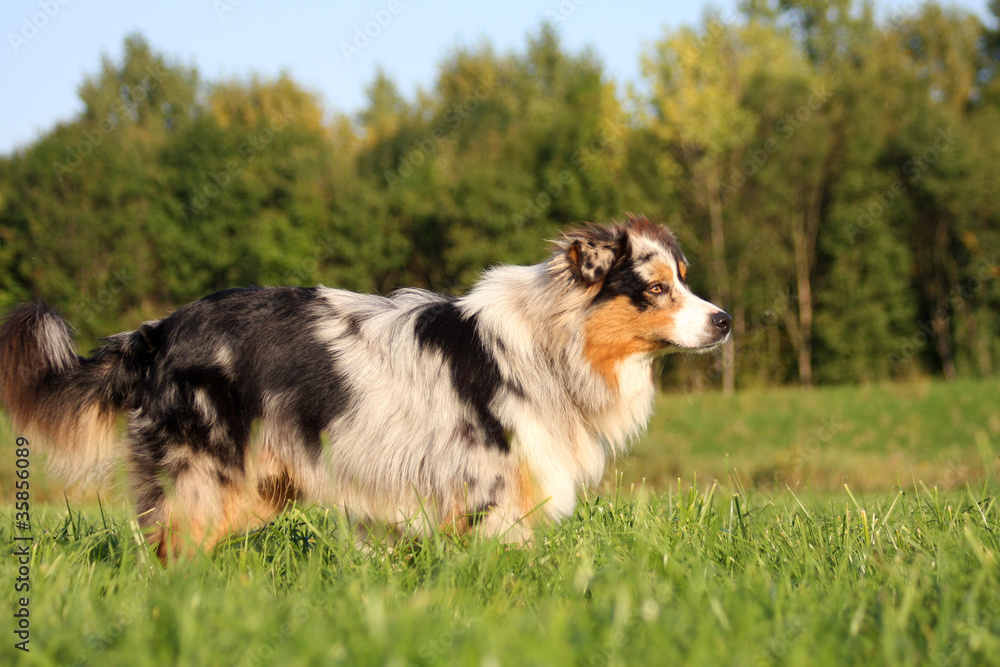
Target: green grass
873, 438
681, 578
751, 570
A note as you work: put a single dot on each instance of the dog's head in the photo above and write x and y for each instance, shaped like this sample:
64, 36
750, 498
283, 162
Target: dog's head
636, 277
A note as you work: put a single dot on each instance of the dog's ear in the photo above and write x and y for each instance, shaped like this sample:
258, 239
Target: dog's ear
592, 252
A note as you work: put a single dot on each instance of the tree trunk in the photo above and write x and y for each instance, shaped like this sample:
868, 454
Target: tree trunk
804, 301
942, 337
948, 276
713, 195
804, 238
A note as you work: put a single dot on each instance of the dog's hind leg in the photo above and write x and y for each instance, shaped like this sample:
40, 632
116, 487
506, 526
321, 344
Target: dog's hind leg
190, 501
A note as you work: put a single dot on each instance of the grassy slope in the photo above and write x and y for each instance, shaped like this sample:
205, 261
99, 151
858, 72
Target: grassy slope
872, 438
731, 574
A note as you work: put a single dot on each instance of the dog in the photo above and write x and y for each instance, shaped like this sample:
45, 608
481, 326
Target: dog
415, 412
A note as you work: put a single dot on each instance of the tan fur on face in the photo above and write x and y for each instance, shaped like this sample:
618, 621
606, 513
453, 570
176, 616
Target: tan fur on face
662, 274
617, 330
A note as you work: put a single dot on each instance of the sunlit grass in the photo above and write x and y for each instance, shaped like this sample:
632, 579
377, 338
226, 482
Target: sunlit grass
718, 576
750, 569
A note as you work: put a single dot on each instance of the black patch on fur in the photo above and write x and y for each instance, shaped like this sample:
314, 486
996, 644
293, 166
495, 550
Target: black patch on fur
475, 373
354, 324
273, 352
467, 431
178, 467
512, 385
470, 482
516, 388
476, 516
125, 358
499, 484
623, 280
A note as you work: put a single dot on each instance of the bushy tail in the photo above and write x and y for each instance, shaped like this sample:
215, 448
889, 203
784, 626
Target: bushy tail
68, 404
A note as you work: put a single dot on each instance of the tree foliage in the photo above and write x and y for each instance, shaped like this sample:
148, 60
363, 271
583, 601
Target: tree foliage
831, 175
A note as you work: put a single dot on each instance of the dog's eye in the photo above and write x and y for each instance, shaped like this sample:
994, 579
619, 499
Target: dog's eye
656, 288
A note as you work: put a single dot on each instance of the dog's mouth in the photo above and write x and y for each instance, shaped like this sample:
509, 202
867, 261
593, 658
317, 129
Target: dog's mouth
669, 346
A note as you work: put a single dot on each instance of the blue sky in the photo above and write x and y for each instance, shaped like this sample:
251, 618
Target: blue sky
50, 45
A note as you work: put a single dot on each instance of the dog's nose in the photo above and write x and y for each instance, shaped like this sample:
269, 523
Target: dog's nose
722, 321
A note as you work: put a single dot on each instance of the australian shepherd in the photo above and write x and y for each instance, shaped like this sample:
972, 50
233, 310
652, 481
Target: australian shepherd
415, 412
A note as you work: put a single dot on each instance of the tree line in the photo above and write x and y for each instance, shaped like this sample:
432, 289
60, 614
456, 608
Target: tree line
831, 174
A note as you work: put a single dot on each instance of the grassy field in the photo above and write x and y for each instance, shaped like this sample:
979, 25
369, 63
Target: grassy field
872, 438
776, 562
